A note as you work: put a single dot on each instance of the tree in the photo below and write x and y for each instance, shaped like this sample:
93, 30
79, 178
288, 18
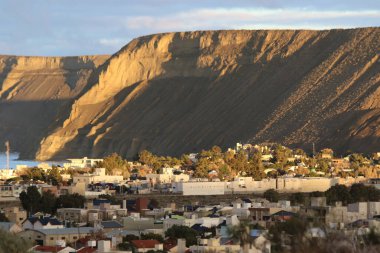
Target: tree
372, 238
294, 229
189, 234
280, 155
357, 158
30, 200
129, 238
126, 246
300, 152
48, 202
10, 243
241, 233
153, 203
202, 167
297, 198
145, 157
152, 236
256, 167
216, 152
271, 195
363, 193
37, 174
3, 218
338, 193
115, 164
54, 176
186, 161
323, 165
71, 201
224, 172
239, 163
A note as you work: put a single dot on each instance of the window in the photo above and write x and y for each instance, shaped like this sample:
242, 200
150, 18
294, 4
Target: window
63, 238
52, 238
74, 237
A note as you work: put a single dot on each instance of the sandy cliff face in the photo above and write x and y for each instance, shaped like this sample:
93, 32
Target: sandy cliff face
34, 91
180, 92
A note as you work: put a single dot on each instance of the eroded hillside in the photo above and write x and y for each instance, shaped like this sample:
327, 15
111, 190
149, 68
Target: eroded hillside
34, 91
180, 92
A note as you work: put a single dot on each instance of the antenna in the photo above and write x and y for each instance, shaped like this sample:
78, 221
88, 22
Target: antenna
7, 152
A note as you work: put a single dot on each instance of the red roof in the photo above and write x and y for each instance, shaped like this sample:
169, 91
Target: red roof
145, 244
86, 250
48, 248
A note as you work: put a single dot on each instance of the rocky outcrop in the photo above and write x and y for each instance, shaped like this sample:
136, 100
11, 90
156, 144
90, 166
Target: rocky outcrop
181, 92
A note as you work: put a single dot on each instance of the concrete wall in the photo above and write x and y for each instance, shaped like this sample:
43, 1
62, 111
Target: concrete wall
199, 188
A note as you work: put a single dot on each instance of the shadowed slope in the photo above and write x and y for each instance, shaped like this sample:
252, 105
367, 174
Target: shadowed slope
34, 91
180, 92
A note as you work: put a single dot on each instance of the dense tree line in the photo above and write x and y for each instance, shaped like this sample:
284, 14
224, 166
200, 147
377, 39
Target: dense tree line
52, 175
338, 193
355, 193
33, 201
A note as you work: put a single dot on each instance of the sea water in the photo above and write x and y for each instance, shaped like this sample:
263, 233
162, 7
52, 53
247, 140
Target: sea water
13, 161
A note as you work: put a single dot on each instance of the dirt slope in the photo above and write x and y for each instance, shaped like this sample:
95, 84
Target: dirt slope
181, 92
34, 91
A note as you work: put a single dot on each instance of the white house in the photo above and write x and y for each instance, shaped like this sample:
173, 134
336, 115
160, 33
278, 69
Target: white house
81, 163
99, 176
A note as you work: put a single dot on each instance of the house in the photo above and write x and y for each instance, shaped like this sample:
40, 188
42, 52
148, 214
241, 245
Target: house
214, 245
51, 249
15, 214
135, 223
41, 223
111, 225
282, 216
52, 236
86, 250
10, 227
99, 176
77, 215
81, 163
146, 245
6, 190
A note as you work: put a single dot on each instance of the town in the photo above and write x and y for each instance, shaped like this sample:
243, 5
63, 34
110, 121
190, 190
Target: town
249, 198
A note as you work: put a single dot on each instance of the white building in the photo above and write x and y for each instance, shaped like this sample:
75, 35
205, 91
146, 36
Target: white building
166, 176
7, 174
81, 163
99, 176
178, 221
199, 188
364, 210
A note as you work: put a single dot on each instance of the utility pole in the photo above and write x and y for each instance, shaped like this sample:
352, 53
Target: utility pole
313, 150
7, 152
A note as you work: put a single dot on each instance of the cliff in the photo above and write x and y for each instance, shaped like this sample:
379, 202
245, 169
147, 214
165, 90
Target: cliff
181, 92
34, 91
